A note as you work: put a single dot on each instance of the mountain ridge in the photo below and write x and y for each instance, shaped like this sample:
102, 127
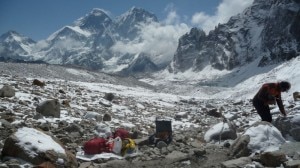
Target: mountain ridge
265, 31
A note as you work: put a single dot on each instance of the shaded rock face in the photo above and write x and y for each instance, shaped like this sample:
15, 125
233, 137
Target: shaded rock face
187, 52
7, 91
239, 147
50, 108
273, 159
289, 126
13, 148
264, 31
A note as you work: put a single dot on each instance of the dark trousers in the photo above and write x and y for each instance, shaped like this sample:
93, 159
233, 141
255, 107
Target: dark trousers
263, 110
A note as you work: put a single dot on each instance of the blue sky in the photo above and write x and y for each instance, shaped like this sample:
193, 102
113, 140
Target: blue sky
38, 19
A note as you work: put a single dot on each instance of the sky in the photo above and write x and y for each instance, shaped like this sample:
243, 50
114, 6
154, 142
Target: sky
39, 19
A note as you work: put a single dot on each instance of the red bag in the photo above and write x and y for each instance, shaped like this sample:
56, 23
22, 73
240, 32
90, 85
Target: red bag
122, 133
95, 146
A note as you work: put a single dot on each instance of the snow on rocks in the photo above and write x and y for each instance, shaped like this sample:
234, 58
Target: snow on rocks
36, 147
220, 131
134, 108
264, 137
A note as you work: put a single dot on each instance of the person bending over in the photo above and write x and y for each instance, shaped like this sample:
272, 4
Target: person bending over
270, 93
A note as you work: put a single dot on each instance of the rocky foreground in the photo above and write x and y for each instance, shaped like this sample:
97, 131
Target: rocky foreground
80, 108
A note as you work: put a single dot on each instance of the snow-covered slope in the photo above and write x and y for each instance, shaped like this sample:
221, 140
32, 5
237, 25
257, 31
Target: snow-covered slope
268, 31
15, 46
239, 83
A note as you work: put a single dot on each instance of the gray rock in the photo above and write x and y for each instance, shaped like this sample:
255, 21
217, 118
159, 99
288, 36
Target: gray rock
273, 159
161, 144
7, 91
106, 117
240, 162
49, 108
291, 148
295, 133
199, 152
13, 149
239, 148
228, 133
292, 164
74, 128
289, 126
214, 112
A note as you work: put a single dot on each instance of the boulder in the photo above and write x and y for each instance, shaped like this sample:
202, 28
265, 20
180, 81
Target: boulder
220, 131
36, 147
239, 148
291, 149
273, 159
264, 137
49, 108
7, 91
289, 126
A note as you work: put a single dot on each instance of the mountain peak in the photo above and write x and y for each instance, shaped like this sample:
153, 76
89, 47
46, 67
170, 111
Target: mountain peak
94, 21
136, 9
97, 12
14, 36
10, 34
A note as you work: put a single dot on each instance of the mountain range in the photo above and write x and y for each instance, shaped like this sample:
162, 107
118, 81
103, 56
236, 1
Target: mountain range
266, 33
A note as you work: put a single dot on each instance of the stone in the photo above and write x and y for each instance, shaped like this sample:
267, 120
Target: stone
273, 159
38, 83
7, 91
295, 133
214, 112
240, 162
29, 150
239, 148
109, 96
49, 108
106, 117
292, 164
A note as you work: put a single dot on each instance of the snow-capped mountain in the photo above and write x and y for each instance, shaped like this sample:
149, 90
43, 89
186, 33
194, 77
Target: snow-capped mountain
127, 25
264, 33
88, 41
15, 46
267, 31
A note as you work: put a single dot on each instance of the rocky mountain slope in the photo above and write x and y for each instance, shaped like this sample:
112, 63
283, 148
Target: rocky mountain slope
85, 109
265, 31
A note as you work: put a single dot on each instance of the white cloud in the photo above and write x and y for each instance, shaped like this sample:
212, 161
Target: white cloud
161, 40
172, 16
225, 10
158, 40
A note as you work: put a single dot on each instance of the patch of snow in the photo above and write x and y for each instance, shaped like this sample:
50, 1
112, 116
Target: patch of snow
264, 138
35, 141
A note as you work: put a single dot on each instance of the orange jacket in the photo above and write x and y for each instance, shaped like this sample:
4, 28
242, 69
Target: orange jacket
270, 93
